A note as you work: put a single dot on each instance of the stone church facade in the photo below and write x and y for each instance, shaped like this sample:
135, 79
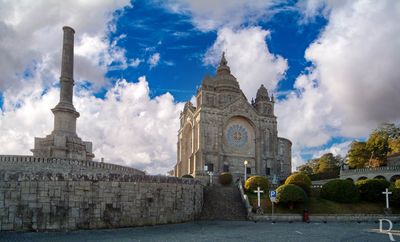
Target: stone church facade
225, 129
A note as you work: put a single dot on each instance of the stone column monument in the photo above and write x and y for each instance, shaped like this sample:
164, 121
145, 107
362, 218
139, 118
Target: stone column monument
63, 142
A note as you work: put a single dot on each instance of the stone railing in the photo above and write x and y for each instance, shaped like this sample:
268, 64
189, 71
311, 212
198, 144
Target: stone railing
370, 170
16, 162
245, 199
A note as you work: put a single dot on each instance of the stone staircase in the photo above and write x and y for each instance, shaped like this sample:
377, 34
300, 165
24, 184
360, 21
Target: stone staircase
222, 203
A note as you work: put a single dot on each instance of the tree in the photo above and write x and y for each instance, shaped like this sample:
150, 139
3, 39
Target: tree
306, 168
328, 163
393, 133
378, 146
391, 130
394, 145
358, 155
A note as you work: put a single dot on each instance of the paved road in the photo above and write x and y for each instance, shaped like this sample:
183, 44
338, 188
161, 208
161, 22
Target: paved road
218, 231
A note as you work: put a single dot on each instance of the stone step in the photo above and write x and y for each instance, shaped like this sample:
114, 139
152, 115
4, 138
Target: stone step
222, 203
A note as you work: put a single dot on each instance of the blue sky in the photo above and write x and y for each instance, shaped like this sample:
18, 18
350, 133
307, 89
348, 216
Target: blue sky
332, 65
150, 28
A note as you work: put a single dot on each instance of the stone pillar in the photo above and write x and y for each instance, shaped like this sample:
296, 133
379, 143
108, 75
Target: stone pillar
67, 66
65, 114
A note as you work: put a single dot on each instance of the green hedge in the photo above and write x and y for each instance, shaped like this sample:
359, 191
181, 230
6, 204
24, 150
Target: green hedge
225, 178
253, 182
395, 196
371, 189
324, 175
290, 194
300, 179
338, 190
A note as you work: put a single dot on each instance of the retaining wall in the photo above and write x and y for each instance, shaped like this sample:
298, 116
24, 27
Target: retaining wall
49, 201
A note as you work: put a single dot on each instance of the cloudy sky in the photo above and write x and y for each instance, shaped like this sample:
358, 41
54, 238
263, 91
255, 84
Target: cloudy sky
332, 64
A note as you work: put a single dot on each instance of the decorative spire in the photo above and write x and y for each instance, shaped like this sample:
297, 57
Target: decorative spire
223, 61
262, 94
223, 68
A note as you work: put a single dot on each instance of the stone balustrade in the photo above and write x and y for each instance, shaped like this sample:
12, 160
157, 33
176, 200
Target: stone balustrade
390, 173
36, 164
371, 170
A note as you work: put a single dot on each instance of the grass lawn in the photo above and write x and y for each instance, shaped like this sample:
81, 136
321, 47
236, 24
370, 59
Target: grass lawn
317, 205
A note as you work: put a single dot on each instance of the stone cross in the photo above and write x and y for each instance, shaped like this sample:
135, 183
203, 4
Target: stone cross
211, 175
258, 191
387, 193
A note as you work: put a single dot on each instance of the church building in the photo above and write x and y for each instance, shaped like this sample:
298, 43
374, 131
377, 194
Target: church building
226, 133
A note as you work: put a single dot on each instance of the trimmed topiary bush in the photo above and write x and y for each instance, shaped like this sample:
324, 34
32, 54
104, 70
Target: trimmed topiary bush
338, 190
225, 178
290, 195
397, 183
371, 189
300, 179
187, 176
253, 182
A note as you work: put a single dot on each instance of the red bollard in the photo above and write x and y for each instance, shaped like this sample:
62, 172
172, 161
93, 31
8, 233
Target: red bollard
306, 217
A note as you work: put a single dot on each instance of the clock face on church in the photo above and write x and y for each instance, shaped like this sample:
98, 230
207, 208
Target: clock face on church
237, 136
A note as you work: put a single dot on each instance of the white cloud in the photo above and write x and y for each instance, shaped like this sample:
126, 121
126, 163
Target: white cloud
353, 85
210, 15
127, 127
135, 62
154, 59
37, 27
336, 149
249, 58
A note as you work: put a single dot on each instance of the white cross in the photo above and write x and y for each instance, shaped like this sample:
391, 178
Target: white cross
258, 191
387, 193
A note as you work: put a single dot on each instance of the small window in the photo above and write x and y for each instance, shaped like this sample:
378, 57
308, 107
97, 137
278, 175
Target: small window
209, 167
248, 170
226, 168
267, 171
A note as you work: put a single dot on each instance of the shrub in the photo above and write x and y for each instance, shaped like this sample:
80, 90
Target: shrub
340, 191
290, 195
371, 189
300, 179
187, 176
253, 182
397, 183
324, 175
225, 178
395, 196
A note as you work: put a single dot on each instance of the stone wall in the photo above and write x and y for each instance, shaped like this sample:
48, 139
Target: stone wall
29, 164
58, 201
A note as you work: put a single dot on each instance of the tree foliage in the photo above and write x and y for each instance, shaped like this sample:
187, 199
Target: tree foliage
378, 146
328, 163
305, 168
381, 142
358, 155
